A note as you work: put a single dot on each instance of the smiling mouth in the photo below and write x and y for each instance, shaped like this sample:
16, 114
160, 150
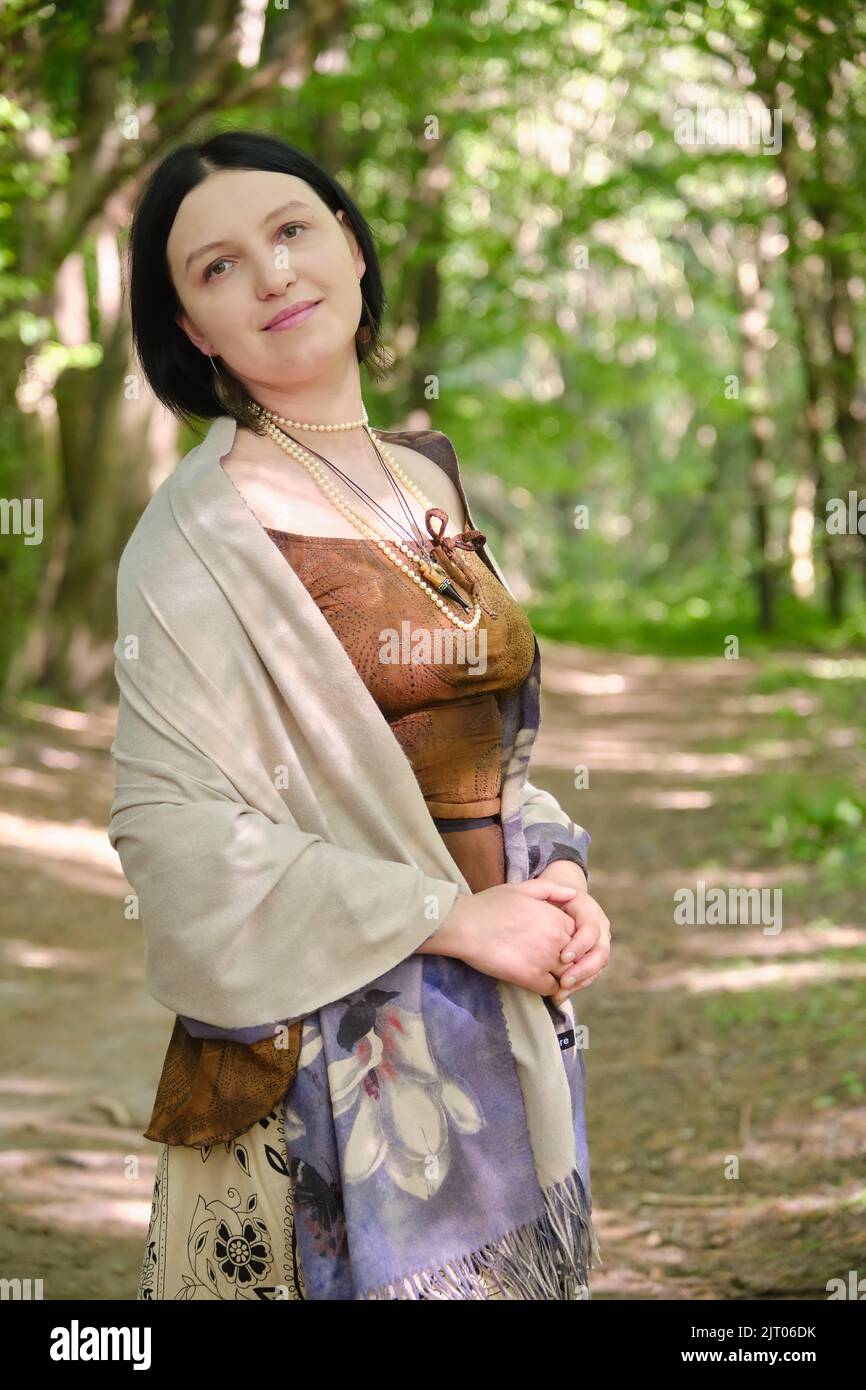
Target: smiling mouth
296, 316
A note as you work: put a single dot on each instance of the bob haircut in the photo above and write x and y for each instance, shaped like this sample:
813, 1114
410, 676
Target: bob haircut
179, 374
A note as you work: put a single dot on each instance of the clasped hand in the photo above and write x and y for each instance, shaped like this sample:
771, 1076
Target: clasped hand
546, 934
588, 951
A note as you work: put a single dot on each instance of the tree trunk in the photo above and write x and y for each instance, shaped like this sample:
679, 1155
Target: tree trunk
753, 299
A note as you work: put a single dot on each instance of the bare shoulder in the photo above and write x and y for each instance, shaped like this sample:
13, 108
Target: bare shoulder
433, 481
276, 496
243, 458
288, 499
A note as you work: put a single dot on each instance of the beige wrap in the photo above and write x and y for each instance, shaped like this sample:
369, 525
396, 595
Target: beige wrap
265, 815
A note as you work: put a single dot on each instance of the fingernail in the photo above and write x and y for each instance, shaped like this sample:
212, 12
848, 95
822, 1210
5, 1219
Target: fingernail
569, 981
568, 955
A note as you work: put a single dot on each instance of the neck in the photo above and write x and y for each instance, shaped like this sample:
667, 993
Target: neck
332, 398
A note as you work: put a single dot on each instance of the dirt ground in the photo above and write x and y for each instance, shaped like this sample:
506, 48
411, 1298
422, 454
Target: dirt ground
726, 1111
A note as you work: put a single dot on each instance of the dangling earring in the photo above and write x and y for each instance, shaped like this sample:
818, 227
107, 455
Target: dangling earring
219, 386
365, 329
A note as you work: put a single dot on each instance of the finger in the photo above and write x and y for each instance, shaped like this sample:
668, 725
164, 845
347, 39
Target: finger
589, 920
568, 938
584, 940
588, 917
546, 889
589, 981
593, 961
560, 998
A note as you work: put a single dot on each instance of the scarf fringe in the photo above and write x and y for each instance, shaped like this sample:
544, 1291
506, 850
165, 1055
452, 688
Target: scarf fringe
548, 1259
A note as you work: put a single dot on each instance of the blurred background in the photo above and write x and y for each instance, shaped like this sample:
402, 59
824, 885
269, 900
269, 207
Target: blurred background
623, 248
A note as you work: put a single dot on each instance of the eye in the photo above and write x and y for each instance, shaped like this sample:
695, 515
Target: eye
210, 269
285, 227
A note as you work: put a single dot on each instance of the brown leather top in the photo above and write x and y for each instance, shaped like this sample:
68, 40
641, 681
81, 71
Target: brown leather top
444, 713
443, 709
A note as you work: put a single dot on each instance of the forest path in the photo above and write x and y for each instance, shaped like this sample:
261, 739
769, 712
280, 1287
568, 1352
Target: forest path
707, 1045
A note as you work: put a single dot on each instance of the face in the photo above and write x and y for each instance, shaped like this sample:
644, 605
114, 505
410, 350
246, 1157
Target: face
261, 258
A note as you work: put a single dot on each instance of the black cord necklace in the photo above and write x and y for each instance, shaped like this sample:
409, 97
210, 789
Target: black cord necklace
417, 540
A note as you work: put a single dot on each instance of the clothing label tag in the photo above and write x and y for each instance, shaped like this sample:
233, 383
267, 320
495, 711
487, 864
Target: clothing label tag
566, 1039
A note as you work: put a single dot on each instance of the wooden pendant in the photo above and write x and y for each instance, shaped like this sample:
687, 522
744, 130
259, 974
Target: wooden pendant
435, 575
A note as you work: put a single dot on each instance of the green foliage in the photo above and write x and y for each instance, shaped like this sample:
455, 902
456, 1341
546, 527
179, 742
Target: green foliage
825, 1014
817, 813
599, 313
826, 823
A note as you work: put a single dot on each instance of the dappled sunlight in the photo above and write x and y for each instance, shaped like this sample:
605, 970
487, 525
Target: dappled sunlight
647, 750
716, 875
79, 1189
621, 754
685, 800
81, 843
100, 881
98, 723
28, 956
779, 749
14, 1085
55, 715
64, 758
77, 855
790, 941
794, 975
740, 1205
58, 1127
798, 700
27, 780
836, 668
563, 682
847, 738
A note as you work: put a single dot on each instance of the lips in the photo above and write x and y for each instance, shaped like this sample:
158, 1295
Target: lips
293, 313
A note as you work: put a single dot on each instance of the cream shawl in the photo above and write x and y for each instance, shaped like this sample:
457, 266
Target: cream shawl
270, 824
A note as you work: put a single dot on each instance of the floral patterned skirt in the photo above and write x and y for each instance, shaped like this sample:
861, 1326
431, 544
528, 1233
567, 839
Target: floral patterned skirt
222, 1220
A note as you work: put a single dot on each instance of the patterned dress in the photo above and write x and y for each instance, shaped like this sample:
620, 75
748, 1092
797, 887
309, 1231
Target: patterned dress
222, 1221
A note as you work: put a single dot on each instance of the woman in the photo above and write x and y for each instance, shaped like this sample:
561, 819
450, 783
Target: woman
367, 921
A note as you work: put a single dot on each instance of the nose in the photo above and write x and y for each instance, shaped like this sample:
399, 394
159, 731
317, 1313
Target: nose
274, 271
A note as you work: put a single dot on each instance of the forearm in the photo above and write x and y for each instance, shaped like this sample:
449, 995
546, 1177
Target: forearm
566, 871
449, 937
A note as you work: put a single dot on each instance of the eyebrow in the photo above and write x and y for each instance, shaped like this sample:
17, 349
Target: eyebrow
212, 245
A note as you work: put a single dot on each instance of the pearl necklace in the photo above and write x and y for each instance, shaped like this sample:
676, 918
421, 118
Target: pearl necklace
298, 425
317, 472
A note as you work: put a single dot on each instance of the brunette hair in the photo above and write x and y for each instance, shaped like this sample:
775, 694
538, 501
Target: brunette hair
179, 374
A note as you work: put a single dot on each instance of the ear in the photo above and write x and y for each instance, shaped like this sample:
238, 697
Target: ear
357, 254
199, 340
